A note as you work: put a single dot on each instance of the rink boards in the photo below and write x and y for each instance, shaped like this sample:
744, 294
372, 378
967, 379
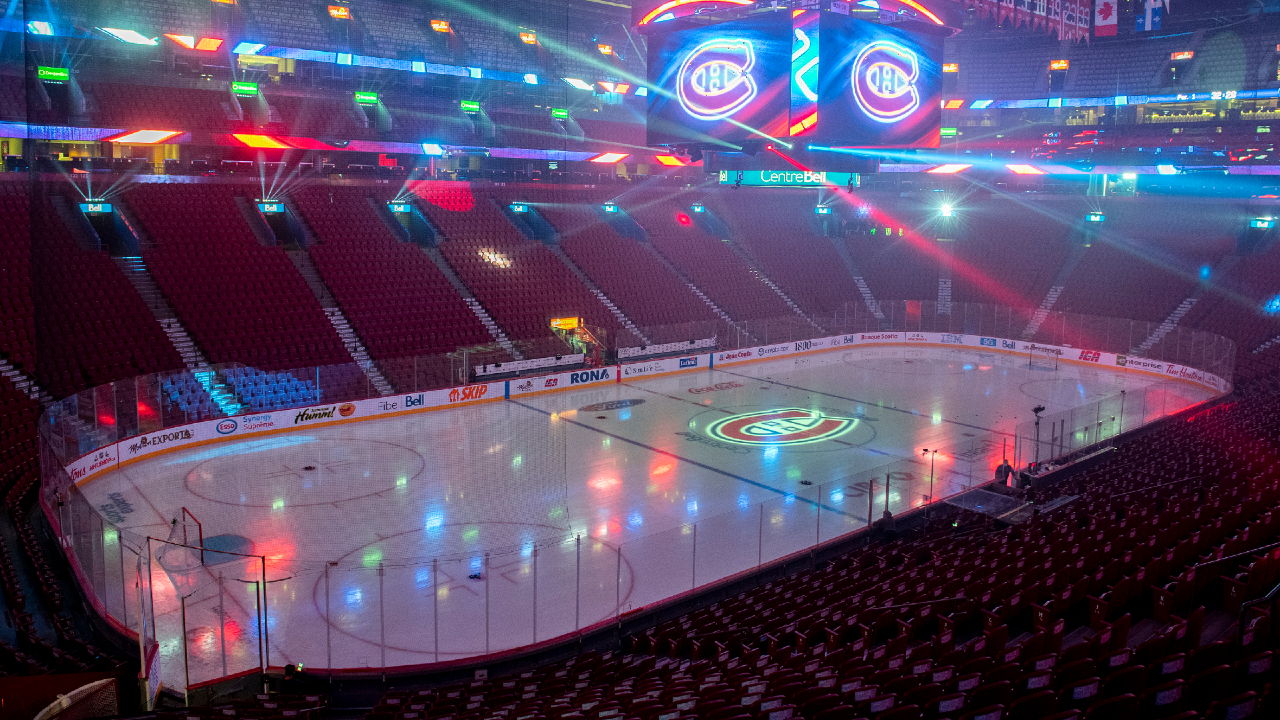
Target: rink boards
125, 452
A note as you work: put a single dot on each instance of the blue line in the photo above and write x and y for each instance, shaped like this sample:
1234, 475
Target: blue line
695, 463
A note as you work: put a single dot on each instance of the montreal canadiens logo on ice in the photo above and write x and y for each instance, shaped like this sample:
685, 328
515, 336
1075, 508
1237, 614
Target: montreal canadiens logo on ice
884, 81
715, 80
785, 426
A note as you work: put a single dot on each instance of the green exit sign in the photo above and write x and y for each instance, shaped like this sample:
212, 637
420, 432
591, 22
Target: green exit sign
245, 89
366, 98
470, 106
53, 74
559, 113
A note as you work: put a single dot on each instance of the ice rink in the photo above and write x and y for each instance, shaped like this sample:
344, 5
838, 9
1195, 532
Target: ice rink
567, 507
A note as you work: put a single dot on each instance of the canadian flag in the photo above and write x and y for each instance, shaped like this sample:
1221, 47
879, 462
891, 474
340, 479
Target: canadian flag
1105, 21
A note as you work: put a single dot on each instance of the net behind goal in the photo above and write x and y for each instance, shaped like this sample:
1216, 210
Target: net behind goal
1042, 358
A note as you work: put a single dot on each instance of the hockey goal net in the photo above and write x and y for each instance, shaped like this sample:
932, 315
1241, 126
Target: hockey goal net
1040, 357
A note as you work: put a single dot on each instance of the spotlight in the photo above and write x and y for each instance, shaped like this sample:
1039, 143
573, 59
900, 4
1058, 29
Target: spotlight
947, 211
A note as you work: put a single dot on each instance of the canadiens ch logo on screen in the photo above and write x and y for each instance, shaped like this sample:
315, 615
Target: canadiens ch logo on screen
786, 426
884, 81
715, 80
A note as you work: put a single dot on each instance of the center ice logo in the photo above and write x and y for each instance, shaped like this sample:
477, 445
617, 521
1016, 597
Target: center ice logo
786, 426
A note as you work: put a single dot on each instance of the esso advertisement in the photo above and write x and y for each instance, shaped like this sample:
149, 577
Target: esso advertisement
879, 85
725, 81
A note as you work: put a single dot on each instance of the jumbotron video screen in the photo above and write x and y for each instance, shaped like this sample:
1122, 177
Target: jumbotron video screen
808, 74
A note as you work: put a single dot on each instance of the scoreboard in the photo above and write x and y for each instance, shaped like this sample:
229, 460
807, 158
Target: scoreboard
816, 76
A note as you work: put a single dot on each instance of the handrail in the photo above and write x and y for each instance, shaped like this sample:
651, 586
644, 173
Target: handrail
1236, 556
1248, 604
1153, 487
918, 604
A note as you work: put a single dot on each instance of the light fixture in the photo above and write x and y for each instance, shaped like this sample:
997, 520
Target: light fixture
265, 142
642, 92
432, 149
189, 42
247, 48
953, 105
441, 26
530, 79
658, 14
670, 160
609, 157
39, 27
950, 169
921, 9
621, 88
580, 84
1166, 169
130, 36
947, 210
1025, 169
981, 104
144, 137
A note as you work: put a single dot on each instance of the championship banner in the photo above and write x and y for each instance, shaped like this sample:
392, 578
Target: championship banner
1083, 16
